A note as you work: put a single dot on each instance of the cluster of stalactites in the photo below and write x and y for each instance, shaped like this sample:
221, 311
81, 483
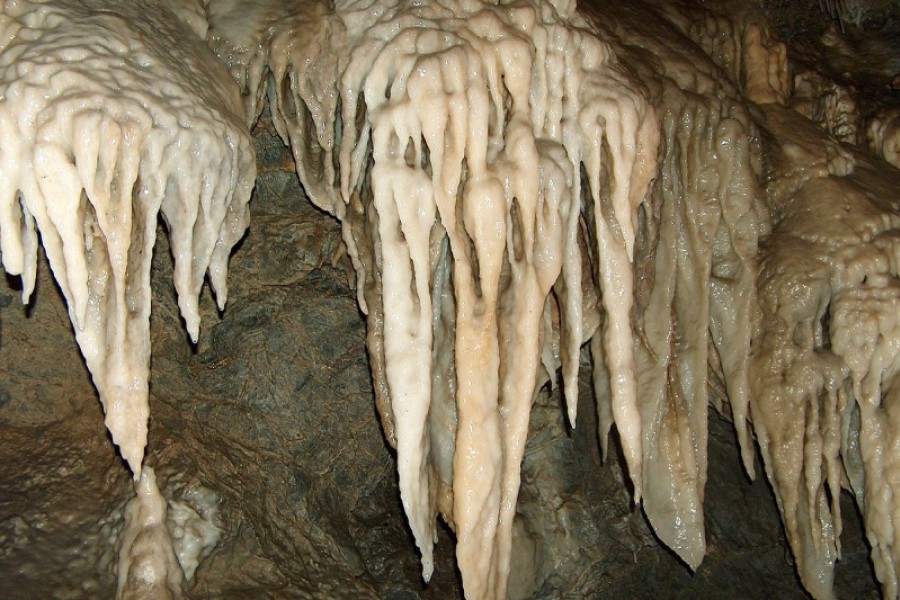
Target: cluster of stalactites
695, 259
112, 114
291, 52
460, 193
824, 402
820, 391
456, 168
820, 313
694, 315
455, 165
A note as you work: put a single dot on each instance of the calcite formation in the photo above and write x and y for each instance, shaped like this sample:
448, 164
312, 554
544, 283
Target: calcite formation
514, 182
100, 136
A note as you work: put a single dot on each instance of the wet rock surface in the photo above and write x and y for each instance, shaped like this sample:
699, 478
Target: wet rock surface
274, 411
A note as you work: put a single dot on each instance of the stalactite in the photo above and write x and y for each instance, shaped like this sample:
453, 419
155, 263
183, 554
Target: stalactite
443, 132
100, 135
113, 114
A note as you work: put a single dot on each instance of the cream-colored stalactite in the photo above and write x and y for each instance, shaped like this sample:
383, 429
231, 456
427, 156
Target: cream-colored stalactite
472, 139
478, 461
621, 127
672, 468
550, 85
696, 256
541, 186
404, 200
673, 361
112, 114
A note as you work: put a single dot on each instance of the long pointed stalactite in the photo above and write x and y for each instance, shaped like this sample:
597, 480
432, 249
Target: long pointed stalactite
100, 137
450, 152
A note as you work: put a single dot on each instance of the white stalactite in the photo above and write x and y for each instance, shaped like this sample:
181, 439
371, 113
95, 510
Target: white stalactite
473, 139
109, 118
